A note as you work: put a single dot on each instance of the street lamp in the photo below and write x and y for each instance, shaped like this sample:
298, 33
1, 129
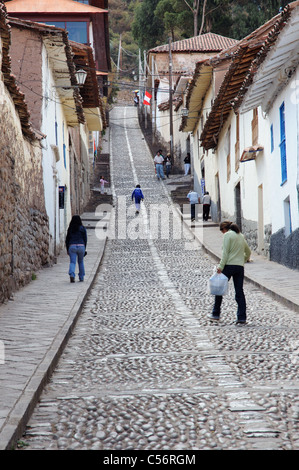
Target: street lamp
81, 76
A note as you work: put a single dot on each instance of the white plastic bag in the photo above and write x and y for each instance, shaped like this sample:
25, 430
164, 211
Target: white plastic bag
218, 284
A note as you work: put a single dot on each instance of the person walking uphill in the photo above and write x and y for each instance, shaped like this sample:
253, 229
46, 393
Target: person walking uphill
187, 163
235, 253
159, 160
206, 201
76, 242
138, 196
193, 197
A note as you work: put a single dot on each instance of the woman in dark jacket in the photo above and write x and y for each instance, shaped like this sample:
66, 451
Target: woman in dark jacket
76, 242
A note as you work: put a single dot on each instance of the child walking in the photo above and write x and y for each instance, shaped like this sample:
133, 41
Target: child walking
138, 197
102, 183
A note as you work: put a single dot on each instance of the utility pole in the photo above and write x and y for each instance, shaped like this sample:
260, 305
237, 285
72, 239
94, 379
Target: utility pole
140, 80
170, 102
119, 57
153, 102
144, 80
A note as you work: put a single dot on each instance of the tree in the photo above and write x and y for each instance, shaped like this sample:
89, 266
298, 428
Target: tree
195, 10
166, 12
248, 16
147, 28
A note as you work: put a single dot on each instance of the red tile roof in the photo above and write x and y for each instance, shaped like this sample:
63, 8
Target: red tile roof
46, 6
242, 58
209, 42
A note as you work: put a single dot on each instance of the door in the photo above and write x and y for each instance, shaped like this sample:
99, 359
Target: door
218, 200
260, 229
238, 206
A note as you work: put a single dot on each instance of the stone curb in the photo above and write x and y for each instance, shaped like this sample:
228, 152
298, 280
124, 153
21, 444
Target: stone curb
16, 422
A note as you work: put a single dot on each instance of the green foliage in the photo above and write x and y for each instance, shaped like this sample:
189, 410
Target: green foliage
146, 24
147, 28
248, 16
121, 13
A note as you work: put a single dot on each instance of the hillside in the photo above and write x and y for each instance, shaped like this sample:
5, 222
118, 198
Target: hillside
143, 24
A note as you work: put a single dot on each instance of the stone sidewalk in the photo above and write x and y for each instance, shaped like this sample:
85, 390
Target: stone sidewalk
36, 325
34, 329
275, 279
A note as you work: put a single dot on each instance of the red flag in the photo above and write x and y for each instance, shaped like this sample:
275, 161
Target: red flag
147, 98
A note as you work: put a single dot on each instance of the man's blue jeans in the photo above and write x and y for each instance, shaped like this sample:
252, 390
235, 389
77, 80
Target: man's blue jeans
160, 172
77, 252
237, 273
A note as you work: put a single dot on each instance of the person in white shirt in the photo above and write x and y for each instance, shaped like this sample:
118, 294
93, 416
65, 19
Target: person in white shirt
206, 201
193, 199
159, 160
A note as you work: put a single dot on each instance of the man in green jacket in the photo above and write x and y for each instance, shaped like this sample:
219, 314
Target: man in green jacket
235, 253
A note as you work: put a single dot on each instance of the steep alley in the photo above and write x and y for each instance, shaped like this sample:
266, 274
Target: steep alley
144, 369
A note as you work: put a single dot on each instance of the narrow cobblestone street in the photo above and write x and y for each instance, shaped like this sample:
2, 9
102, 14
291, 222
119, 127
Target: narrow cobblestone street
144, 369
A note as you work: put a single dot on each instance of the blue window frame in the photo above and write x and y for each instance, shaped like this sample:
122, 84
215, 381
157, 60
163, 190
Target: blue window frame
282, 145
272, 138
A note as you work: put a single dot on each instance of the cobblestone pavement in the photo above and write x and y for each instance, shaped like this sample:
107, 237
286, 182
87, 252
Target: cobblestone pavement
144, 369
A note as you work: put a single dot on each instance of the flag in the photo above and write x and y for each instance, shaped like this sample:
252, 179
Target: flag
147, 98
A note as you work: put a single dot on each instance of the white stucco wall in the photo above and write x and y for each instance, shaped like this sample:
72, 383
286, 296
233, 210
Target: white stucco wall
288, 190
56, 173
207, 159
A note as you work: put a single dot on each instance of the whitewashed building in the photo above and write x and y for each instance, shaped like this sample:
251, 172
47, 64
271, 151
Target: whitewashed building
245, 141
185, 54
272, 85
62, 112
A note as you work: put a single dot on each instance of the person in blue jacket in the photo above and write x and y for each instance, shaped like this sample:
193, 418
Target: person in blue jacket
138, 197
76, 242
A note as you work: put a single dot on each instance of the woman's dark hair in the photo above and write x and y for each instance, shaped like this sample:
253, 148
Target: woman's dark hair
226, 225
75, 223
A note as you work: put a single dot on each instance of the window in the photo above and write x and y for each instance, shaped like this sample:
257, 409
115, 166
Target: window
64, 146
272, 138
78, 30
287, 217
282, 145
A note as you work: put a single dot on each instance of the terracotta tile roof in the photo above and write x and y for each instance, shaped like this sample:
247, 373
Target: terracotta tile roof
287, 49
83, 58
209, 42
242, 57
195, 93
50, 6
